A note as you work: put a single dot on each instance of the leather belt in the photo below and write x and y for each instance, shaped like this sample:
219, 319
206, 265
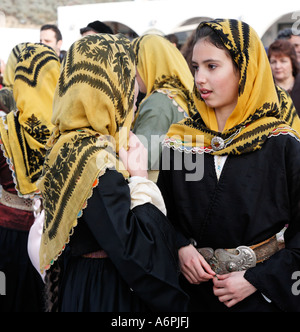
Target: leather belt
16, 202
223, 261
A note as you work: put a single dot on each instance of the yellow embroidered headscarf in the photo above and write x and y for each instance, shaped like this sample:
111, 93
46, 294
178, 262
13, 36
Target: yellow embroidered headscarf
261, 109
93, 102
24, 133
10, 68
6, 94
162, 67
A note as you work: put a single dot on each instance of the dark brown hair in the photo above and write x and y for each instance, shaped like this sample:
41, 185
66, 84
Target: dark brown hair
282, 47
54, 28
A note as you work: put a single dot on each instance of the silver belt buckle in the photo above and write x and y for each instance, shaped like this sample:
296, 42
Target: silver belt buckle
231, 260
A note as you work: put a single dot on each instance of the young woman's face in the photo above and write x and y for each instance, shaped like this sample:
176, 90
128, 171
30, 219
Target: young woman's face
282, 67
216, 77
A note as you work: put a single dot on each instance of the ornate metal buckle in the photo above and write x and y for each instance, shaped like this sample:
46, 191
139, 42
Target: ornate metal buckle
217, 143
225, 261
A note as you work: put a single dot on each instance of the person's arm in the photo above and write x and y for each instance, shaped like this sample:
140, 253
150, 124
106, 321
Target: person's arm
166, 186
275, 277
193, 265
136, 235
139, 242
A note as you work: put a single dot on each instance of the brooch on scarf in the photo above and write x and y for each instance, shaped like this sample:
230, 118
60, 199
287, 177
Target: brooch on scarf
217, 143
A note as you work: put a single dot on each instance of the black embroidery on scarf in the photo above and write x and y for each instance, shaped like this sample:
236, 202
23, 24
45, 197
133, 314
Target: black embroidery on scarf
30, 75
290, 115
34, 128
16, 51
80, 72
173, 81
243, 59
288, 111
224, 36
60, 171
136, 47
79, 150
35, 157
78, 77
167, 81
237, 44
234, 28
265, 111
20, 136
260, 129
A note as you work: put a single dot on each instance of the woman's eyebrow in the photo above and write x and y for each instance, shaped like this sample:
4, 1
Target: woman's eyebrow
210, 60
206, 61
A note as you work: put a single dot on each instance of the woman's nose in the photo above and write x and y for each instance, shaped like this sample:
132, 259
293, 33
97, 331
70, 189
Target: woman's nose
200, 78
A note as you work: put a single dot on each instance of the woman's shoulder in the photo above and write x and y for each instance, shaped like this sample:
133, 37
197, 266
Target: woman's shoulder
161, 105
157, 99
286, 143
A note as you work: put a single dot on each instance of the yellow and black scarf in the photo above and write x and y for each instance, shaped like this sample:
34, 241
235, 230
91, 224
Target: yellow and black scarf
6, 94
10, 68
93, 103
162, 67
262, 109
24, 133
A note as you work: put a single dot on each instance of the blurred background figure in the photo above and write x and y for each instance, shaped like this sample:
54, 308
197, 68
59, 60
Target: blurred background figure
167, 83
292, 38
173, 39
2, 68
285, 68
94, 28
50, 35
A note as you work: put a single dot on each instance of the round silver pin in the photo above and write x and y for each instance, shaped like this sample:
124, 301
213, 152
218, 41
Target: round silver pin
217, 143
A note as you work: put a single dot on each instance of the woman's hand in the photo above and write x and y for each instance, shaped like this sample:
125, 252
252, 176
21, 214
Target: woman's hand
135, 159
193, 265
232, 288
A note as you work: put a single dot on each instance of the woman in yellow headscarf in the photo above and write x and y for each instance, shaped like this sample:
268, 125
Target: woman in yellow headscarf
167, 83
243, 188
120, 247
23, 135
6, 94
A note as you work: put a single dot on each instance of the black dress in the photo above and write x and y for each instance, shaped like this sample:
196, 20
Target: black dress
141, 273
21, 284
295, 93
256, 196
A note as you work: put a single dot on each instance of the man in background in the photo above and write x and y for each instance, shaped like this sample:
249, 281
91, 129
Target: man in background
50, 35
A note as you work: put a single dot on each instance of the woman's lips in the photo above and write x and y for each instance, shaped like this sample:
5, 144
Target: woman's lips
205, 93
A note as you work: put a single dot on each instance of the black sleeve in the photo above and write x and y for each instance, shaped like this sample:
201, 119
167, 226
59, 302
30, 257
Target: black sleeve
165, 184
139, 243
276, 277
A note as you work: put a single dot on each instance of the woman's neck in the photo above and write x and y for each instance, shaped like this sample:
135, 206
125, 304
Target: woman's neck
286, 84
222, 117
